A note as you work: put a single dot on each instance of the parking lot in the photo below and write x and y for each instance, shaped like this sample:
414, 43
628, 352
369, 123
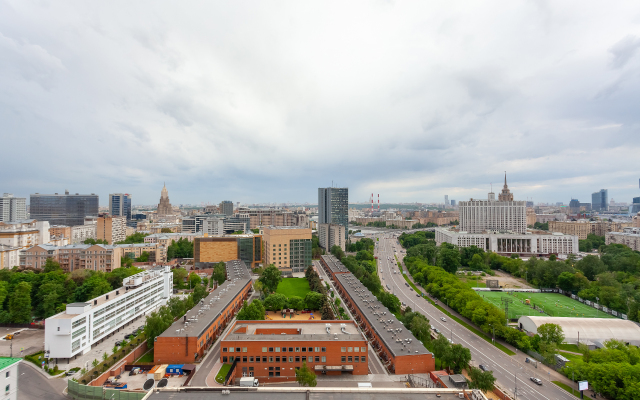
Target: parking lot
31, 340
136, 381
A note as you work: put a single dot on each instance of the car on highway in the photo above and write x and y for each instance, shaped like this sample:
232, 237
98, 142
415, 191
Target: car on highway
417, 295
483, 367
536, 381
436, 330
443, 319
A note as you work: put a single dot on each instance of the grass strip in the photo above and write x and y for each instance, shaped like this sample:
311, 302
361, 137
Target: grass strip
453, 317
224, 370
567, 388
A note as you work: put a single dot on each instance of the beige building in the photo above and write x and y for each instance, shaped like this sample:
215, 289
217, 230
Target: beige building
437, 217
157, 252
72, 257
531, 216
288, 248
24, 234
331, 235
112, 229
582, 228
208, 250
75, 234
9, 256
630, 237
164, 207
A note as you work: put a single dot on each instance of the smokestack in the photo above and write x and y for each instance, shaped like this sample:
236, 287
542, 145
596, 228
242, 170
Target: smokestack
371, 202
378, 202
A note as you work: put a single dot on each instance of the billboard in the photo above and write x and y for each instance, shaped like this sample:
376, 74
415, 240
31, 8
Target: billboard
583, 385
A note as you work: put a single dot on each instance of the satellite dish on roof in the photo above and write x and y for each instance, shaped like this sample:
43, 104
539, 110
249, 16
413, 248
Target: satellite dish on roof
148, 384
163, 382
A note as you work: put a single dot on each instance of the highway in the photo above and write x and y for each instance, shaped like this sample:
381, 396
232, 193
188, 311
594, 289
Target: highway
508, 370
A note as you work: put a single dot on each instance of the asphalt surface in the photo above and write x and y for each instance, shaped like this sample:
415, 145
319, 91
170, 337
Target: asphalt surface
507, 369
32, 385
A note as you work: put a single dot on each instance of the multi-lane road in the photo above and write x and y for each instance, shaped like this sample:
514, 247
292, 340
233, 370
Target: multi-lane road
510, 371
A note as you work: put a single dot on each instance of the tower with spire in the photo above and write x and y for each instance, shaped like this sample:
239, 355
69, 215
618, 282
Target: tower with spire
506, 194
164, 207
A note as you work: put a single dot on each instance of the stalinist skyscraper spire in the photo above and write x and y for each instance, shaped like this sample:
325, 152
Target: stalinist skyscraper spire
164, 207
506, 193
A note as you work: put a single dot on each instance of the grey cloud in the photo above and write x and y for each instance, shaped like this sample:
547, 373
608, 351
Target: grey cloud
624, 50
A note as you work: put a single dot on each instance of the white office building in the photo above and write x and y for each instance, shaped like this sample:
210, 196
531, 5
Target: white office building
9, 377
74, 331
330, 235
502, 215
12, 209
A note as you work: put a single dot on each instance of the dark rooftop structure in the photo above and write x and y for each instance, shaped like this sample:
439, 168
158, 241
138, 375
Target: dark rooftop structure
334, 265
399, 340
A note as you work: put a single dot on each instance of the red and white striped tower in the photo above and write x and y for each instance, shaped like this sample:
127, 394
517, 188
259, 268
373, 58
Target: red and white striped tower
371, 202
378, 202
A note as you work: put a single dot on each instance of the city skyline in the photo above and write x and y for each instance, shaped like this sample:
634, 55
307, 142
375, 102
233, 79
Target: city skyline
409, 100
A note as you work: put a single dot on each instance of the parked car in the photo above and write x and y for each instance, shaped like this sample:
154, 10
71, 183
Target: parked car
436, 330
536, 381
119, 343
417, 295
483, 367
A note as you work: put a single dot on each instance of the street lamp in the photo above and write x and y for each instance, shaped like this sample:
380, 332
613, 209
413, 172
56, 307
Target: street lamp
597, 308
515, 381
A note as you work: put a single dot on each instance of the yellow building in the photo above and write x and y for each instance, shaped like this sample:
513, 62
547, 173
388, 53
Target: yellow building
287, 247
210, 250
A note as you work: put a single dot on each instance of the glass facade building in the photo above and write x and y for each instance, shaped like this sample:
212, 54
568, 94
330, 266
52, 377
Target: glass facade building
600, 200
333, 207
63, 209
299, 254
120, 205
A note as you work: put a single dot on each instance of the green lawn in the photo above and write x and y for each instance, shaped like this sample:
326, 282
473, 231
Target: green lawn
224, 370
553, 304
570, 356
146, 357
569, 347
567, 388
293, 287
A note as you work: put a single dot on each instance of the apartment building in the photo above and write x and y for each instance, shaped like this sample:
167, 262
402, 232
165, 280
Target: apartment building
272, 351
9, 256
63, 209
24, 234
210, 250
396, 346
157, 251
9, 377
75, 234
630, 237
582, 228
274, 217
186, 340
165, 240
74, 331
12, 209
287, 247
330, 235
112, 229
120, 205
97, 257
333, 207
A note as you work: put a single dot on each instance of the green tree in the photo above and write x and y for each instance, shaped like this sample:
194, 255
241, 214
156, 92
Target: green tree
20, 304
219, 273
165, 230
326, 311
440, 346
305, 376
275, 302
270, 278
51, 265
337, 252
194, 279
482, 380
176, 306
551, 333
457, 357
449, 258
179, 274
159, 321
477, 263
421, 328
296, 302
314, 300
199, 293
137, 237
144, 257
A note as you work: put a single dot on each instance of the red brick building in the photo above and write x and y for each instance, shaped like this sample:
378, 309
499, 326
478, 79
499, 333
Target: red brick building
272, 350
186, 340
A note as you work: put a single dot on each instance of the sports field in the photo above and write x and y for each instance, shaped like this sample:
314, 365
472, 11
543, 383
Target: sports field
553, 304
293, 287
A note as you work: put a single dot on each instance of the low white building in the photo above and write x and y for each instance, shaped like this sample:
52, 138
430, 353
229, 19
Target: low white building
25, 233
81, 325
586, 329
508, 243
9, 377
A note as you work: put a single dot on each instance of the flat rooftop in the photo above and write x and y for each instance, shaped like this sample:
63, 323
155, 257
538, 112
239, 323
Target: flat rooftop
398, 339
315, 393
305, 330
334, 265
201, 316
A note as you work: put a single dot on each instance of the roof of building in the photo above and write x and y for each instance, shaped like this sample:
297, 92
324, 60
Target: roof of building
307, 330
201, 316
314, 393
136, 245
283, 227
8, 361
399, 340
595, 329
335, 266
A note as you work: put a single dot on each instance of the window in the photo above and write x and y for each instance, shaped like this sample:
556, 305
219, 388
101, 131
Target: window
343, 349
343, 359
304, 349
270, 373
224, 359
264, 349
250, 359
277, 349
297, 349
324, 359
231, 358
284, 349
8, 373
257, 359
230, 349
298, 359
350, 359
237, 349
310, 359
363, 359
290, 349
317, 349
264, 359
244, 349
277, 359
224, 349
270, 349
324, 349
356, 349
244, 359
290, 359
350, 349
270, 359
317, 359
363, 349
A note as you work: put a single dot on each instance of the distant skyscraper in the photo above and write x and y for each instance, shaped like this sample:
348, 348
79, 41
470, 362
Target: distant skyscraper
226, 207
333, 207
164, 207
505, 195
574, 206
120, 205
635, 206
446, 200
453, 203
600, 200
12, 209
63, 209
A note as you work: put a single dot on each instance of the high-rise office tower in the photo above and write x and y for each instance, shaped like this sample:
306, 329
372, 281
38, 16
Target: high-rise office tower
12, 209
600, 200
333, 207
63, 209
446, 200
120, 205
226, 207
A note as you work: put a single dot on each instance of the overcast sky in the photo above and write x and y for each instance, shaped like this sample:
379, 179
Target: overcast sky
265, 101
